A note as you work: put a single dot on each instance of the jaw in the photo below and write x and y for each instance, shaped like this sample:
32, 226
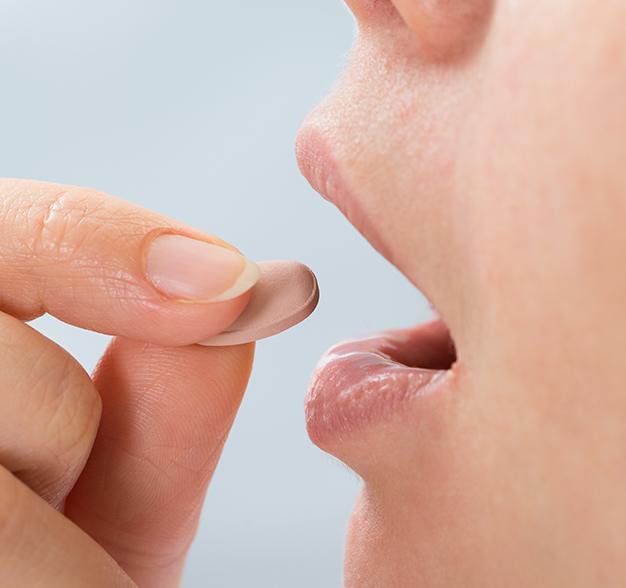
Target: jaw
414, 536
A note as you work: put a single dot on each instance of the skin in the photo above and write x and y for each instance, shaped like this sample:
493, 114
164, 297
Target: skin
103, 477
498, 130
481, 146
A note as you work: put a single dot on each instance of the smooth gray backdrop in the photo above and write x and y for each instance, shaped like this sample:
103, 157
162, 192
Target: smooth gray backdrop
191, 108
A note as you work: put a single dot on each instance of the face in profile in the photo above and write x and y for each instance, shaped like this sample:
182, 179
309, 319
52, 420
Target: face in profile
480, 146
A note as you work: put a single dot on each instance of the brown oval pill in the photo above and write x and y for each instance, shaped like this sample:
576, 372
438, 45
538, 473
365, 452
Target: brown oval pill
284, 296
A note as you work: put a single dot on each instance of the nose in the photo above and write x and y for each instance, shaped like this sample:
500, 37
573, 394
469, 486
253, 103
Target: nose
446, 26
372, 11
443, 28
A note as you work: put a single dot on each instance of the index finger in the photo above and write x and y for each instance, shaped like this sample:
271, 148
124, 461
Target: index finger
103, 264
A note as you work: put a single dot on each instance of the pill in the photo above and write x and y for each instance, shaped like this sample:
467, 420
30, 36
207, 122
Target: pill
285, 294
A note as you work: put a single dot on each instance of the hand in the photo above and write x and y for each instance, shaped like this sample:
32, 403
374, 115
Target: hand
102, 479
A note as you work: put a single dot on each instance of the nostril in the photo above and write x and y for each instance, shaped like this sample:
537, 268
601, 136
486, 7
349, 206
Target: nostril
372, 11
446, 27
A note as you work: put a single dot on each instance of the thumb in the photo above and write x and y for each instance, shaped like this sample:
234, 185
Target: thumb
166, 414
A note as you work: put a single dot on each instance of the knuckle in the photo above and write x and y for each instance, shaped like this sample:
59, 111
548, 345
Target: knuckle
50, 220
63, 220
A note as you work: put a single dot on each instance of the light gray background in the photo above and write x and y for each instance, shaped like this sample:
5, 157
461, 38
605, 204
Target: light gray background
191, 108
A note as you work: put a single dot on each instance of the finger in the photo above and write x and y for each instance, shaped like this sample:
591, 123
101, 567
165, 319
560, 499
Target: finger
40, 547
103, 264
50, 411
166, 415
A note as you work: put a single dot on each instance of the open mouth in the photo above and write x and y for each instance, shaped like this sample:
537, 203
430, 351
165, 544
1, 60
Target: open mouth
367, 380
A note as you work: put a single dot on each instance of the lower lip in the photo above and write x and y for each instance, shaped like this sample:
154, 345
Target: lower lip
365, 381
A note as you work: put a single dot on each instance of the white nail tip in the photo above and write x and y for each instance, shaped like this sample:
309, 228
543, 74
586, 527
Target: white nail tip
285, 295
246, 280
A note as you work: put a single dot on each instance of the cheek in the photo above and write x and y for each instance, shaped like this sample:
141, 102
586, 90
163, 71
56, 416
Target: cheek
544, 190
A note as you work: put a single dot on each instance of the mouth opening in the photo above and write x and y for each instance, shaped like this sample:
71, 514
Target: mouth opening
430, 347
360, 381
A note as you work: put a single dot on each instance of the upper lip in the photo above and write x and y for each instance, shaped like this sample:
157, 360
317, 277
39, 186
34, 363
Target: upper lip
360, 381
320, 168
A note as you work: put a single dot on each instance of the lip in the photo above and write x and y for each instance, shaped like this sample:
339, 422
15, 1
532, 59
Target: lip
321, 169
362, 382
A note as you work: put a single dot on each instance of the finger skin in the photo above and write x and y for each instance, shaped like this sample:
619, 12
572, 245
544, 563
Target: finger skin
79, 255
50, 411
39, 547
166, 415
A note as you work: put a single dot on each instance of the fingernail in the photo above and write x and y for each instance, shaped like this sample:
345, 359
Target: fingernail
192, 270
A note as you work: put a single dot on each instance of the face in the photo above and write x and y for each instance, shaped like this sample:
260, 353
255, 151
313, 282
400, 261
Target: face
481, 147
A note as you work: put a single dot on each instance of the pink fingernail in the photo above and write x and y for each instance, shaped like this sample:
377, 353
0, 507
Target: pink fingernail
189, 269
